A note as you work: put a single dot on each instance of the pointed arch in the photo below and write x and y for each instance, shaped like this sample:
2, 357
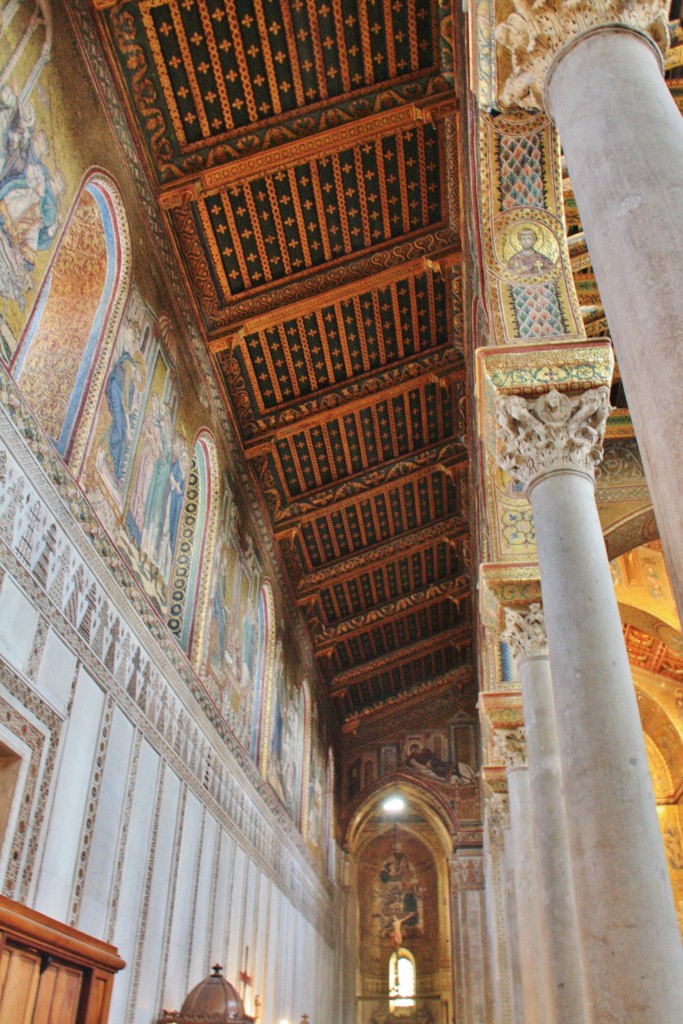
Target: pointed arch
192, 526
61, 358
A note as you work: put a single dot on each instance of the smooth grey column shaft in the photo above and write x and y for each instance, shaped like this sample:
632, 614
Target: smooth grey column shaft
531, 951
622, 136
512, 930
626, 918
566, 999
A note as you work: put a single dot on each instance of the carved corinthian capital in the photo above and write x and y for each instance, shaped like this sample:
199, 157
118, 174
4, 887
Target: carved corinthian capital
525, 632
553, 431
497, 810
509, 746
537, 29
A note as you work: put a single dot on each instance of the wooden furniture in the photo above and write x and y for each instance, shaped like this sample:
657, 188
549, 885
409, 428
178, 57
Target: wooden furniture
51, 973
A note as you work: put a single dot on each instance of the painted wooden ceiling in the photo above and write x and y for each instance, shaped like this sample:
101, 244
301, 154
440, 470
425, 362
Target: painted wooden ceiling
305, 158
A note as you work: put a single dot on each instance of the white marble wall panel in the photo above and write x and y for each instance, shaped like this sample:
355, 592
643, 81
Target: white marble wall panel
288, 965
175, 974
98, 882
118, 846
56, 671
475, 942
224, 869
147, 997
267, 986
249, 924
259, 958
61, 849
18, 617
233, 954
199, 959
129, 882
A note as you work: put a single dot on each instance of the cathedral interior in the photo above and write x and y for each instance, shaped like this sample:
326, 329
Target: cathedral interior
341, 518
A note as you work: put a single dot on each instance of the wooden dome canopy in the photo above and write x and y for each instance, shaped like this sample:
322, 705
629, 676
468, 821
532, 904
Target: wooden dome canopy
213, 1001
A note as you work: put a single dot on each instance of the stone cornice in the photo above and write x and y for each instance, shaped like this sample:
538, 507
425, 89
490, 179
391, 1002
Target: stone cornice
534, 33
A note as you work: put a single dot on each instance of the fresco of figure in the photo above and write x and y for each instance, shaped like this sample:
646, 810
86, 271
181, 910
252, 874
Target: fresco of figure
276, 746
157, 490
125, 381
290, 733
316, 797
176, 488
149, 448
217, 633
174, 494
29, 199
8, 110
247, 675
528, 260
19, 122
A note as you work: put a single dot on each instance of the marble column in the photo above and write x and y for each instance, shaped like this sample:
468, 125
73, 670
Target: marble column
597, 69
512, 928
628, 930
468, 937
509, 744
497, 930
565, 992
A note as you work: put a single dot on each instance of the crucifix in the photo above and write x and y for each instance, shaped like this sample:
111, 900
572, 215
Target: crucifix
244, 976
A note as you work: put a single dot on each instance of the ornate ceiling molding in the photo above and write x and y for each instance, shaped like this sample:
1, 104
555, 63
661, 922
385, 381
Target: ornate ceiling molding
323, 144
343, 680
444, 456
438, 261
407, 470
261, 446
450, 530
455, 589
434, 366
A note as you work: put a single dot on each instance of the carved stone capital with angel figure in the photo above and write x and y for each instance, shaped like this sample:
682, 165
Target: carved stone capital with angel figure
525, 632
553, 431
536, 30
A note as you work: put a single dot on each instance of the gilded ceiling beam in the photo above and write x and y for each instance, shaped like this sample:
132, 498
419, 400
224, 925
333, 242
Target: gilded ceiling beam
438, 262
458, 637
289, 154
455, 588
262, 445
436, 361
293, 524
451, 530
369, 481
452, 681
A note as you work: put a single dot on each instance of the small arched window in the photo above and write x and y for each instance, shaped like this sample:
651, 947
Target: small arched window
401, 979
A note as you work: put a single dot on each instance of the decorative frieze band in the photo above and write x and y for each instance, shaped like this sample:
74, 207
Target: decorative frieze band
549, 432
535, 32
